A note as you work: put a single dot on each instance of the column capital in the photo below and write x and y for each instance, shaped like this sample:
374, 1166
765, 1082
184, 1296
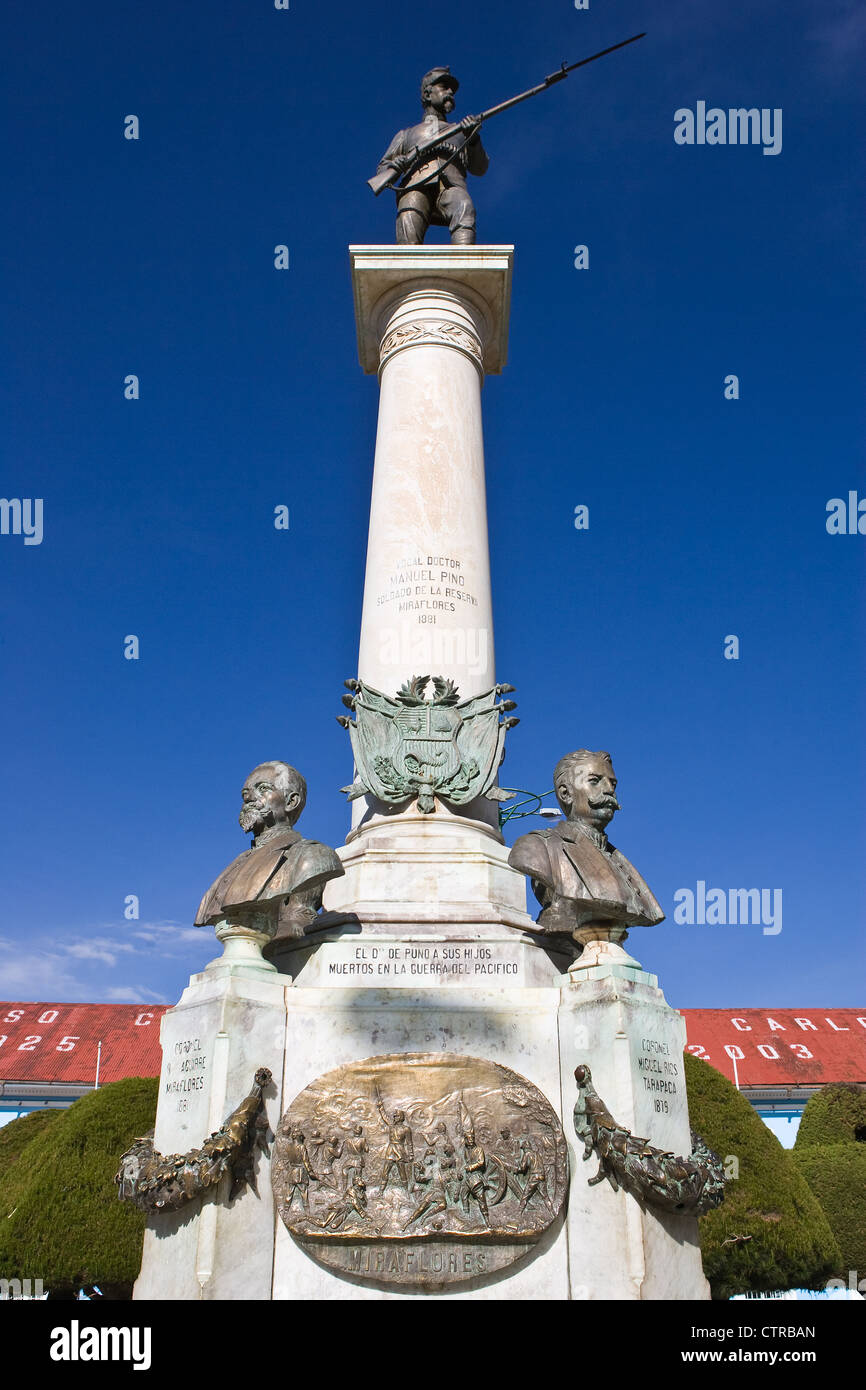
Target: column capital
478, 275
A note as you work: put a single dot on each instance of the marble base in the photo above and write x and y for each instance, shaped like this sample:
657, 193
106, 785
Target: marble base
514, 1027
426, 874
614, 1017
224, 1027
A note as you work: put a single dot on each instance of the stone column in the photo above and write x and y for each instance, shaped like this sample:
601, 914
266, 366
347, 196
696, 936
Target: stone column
432, 321
427, 601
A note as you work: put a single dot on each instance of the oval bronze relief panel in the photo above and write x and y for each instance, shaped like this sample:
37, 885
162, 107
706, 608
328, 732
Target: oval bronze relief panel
421, 1169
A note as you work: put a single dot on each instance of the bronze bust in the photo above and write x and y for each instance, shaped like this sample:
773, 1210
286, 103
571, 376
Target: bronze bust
585, 886
281, 872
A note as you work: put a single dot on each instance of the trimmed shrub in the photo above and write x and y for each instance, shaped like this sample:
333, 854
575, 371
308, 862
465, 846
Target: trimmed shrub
836, 1174
834, 1115
15, 1137
61, 1221
770, 1233
832, 1159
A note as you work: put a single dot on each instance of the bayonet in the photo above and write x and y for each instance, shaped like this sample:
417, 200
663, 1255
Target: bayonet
389, 177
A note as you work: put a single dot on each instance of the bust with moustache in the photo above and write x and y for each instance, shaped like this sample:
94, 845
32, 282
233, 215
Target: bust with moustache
580, 879
281, 872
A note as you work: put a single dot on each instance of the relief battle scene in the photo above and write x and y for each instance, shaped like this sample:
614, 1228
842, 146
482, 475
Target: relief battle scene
416, 1147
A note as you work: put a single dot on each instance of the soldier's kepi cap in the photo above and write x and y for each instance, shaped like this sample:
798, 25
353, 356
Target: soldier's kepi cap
443, 75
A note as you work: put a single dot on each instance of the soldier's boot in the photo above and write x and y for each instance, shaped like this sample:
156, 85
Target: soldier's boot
463, 236
411, 227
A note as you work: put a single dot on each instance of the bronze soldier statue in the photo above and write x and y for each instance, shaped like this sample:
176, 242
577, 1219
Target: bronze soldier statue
436, 192
427, 164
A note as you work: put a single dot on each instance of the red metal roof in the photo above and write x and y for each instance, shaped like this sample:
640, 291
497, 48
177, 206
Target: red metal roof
781, 1047
58, 1042
772, 1047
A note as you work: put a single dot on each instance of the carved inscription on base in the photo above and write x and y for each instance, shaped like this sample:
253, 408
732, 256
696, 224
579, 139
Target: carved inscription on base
421, 1169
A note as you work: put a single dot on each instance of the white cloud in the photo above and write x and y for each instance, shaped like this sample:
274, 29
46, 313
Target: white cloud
97, 948
171, 939
83, 967
132, 994
40, 975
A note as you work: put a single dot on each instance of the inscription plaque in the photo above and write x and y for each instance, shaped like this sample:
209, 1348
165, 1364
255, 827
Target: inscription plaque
421, 1169
407, 964
185, 1073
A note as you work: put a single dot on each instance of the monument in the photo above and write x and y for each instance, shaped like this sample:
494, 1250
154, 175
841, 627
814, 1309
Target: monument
432, 1064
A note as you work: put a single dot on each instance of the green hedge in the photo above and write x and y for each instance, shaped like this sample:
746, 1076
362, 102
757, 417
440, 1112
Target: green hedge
833, 1116
833, 1162
791, 1243
17, 1134
60, 1219
836, 1173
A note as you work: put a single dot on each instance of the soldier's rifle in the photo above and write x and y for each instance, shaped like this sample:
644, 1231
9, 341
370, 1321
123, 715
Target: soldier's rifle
380, 1106
388, 177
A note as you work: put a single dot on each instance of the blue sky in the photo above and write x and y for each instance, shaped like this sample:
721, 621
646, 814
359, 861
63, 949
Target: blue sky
707, 516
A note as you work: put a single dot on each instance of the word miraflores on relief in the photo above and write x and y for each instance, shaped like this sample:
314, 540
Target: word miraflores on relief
737, 126
717, 907
418, 1261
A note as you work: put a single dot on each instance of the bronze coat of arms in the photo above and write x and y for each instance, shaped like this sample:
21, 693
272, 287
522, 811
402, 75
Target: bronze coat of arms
420, 746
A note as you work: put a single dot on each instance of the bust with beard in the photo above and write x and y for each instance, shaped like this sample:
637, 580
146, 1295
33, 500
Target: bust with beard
281, 872
585, 886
